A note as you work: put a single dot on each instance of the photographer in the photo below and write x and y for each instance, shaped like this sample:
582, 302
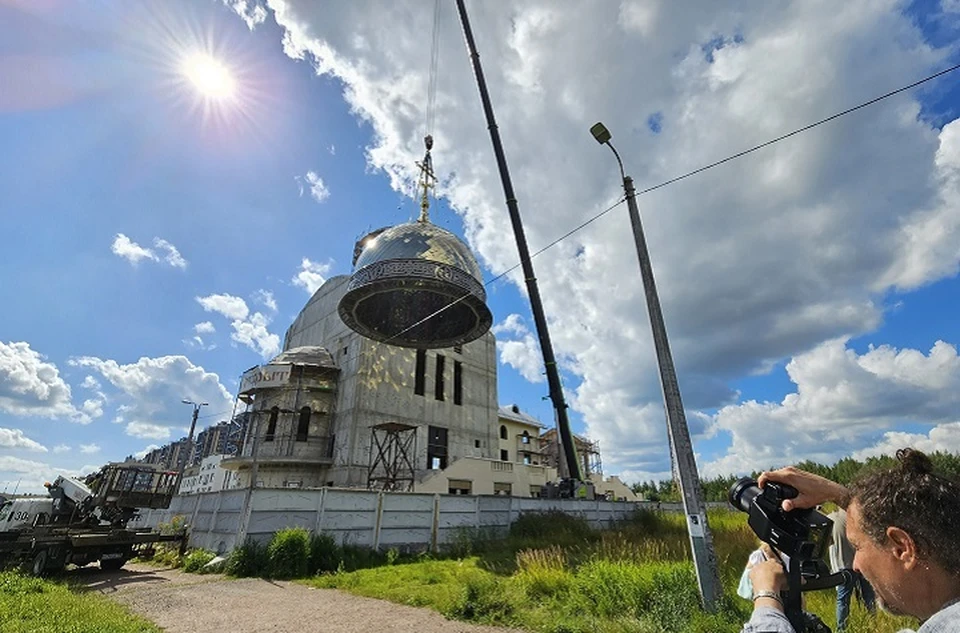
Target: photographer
903, 524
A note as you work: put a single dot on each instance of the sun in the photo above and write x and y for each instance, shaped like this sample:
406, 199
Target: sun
210, 77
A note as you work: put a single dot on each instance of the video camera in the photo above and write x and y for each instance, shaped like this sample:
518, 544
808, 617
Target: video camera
800, 535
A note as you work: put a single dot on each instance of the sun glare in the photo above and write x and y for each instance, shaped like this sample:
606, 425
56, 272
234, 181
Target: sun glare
211, 78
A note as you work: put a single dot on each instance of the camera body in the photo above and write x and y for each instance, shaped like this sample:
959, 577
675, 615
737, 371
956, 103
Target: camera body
800, 534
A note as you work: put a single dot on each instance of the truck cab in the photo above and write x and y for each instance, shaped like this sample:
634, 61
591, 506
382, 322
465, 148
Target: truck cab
18, 514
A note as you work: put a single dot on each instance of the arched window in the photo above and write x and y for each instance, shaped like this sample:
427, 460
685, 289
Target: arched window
303, 426
503, 432
525, 439
272, 424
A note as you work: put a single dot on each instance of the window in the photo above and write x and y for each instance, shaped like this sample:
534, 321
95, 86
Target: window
457, 382
536, 491
438, 385
420, 377
503, 432
303, 426
333, 439
476, 443
272, 425
525, 438
502, 488
504, 455
459, 487
436, 447
526, 458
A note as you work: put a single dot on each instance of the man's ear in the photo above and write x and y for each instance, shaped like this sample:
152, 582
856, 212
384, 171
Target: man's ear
902, 546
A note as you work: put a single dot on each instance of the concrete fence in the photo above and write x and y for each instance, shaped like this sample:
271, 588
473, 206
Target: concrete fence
367, 518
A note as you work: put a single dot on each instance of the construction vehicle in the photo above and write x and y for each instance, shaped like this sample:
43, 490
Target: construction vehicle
85, 521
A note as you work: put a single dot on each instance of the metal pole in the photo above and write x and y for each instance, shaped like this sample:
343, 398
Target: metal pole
546, 347
701, 541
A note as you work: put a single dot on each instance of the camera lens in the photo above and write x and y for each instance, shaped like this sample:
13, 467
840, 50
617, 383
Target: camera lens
743, 493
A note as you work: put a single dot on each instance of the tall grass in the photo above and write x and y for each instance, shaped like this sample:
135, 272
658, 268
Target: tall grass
33, 605
553, 573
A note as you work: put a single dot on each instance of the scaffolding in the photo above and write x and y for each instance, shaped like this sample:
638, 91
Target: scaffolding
587, 452
393, 450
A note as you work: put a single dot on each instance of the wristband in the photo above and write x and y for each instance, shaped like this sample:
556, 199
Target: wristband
768, 594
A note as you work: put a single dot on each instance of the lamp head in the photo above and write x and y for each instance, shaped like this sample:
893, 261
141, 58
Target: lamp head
185, 401
600, 132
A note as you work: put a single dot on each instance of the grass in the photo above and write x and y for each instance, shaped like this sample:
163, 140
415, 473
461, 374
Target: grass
556, 575
34, 605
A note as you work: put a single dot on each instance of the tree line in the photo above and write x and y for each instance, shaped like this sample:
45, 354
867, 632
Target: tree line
844, 472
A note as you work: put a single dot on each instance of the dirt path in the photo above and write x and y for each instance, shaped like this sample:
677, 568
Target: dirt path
187, 603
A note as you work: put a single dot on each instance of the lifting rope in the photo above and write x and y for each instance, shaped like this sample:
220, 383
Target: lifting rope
427, 178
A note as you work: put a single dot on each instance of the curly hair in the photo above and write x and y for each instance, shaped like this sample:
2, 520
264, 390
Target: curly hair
912, 497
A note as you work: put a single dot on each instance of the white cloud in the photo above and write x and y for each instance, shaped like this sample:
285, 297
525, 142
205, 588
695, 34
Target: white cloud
90, 382
265, 298
89, 449
28, 475
29, 386
61, 448
757, 261
129, 250
522, 353
148, 431
332, 149
14, 438
318, 190
172, 256
312, 275
847, 403
204, 328
228, 305
250, 11
249, 328
150, 391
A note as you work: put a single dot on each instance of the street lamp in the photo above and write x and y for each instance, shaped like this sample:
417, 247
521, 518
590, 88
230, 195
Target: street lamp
701, 541
193, 425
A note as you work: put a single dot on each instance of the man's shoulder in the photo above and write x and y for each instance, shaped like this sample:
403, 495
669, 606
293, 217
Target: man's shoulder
946, 620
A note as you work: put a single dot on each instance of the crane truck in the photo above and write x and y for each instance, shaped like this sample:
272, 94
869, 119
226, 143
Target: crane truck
85, 521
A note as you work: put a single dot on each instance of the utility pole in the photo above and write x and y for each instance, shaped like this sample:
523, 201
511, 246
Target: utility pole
701, 540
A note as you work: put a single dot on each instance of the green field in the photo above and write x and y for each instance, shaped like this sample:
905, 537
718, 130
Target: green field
555, 574
34, 605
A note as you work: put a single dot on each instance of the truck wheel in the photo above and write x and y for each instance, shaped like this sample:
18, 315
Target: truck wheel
38, 566
112, 564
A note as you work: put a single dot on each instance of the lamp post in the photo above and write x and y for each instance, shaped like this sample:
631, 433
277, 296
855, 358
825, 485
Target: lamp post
701, 541
193, 426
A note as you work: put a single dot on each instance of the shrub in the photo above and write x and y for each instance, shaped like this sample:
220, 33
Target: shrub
196, 559
289, 553
324, 554
250, 559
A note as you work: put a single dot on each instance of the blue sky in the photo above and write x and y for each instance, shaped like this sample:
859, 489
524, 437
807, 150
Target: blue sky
813, 279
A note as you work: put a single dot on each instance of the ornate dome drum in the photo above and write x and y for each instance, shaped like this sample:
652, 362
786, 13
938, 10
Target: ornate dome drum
416, 285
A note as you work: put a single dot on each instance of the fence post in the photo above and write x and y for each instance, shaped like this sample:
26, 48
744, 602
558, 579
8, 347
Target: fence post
376, 522
320, 505
435, 528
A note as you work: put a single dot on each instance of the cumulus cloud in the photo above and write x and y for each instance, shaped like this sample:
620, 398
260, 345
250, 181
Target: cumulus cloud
30, 386
204, 328
61, 448
89, 449
757, 261
518, 348
250, 12
846, 403
249, 328
312, 275
143, 453
14, 438
150, 391
163, 251
266, 299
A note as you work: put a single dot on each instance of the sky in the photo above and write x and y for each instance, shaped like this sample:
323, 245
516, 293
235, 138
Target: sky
177, 177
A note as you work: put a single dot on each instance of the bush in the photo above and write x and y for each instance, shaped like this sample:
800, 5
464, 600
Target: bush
325, 554
196, 559
289, 553
250, 559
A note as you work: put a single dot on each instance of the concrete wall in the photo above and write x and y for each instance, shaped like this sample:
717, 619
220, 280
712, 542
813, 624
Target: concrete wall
367, 518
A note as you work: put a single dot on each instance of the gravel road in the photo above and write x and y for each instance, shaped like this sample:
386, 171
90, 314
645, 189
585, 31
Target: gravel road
187, 603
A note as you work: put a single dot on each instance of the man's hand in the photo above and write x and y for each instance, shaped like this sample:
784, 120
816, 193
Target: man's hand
768, 575
813, 489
